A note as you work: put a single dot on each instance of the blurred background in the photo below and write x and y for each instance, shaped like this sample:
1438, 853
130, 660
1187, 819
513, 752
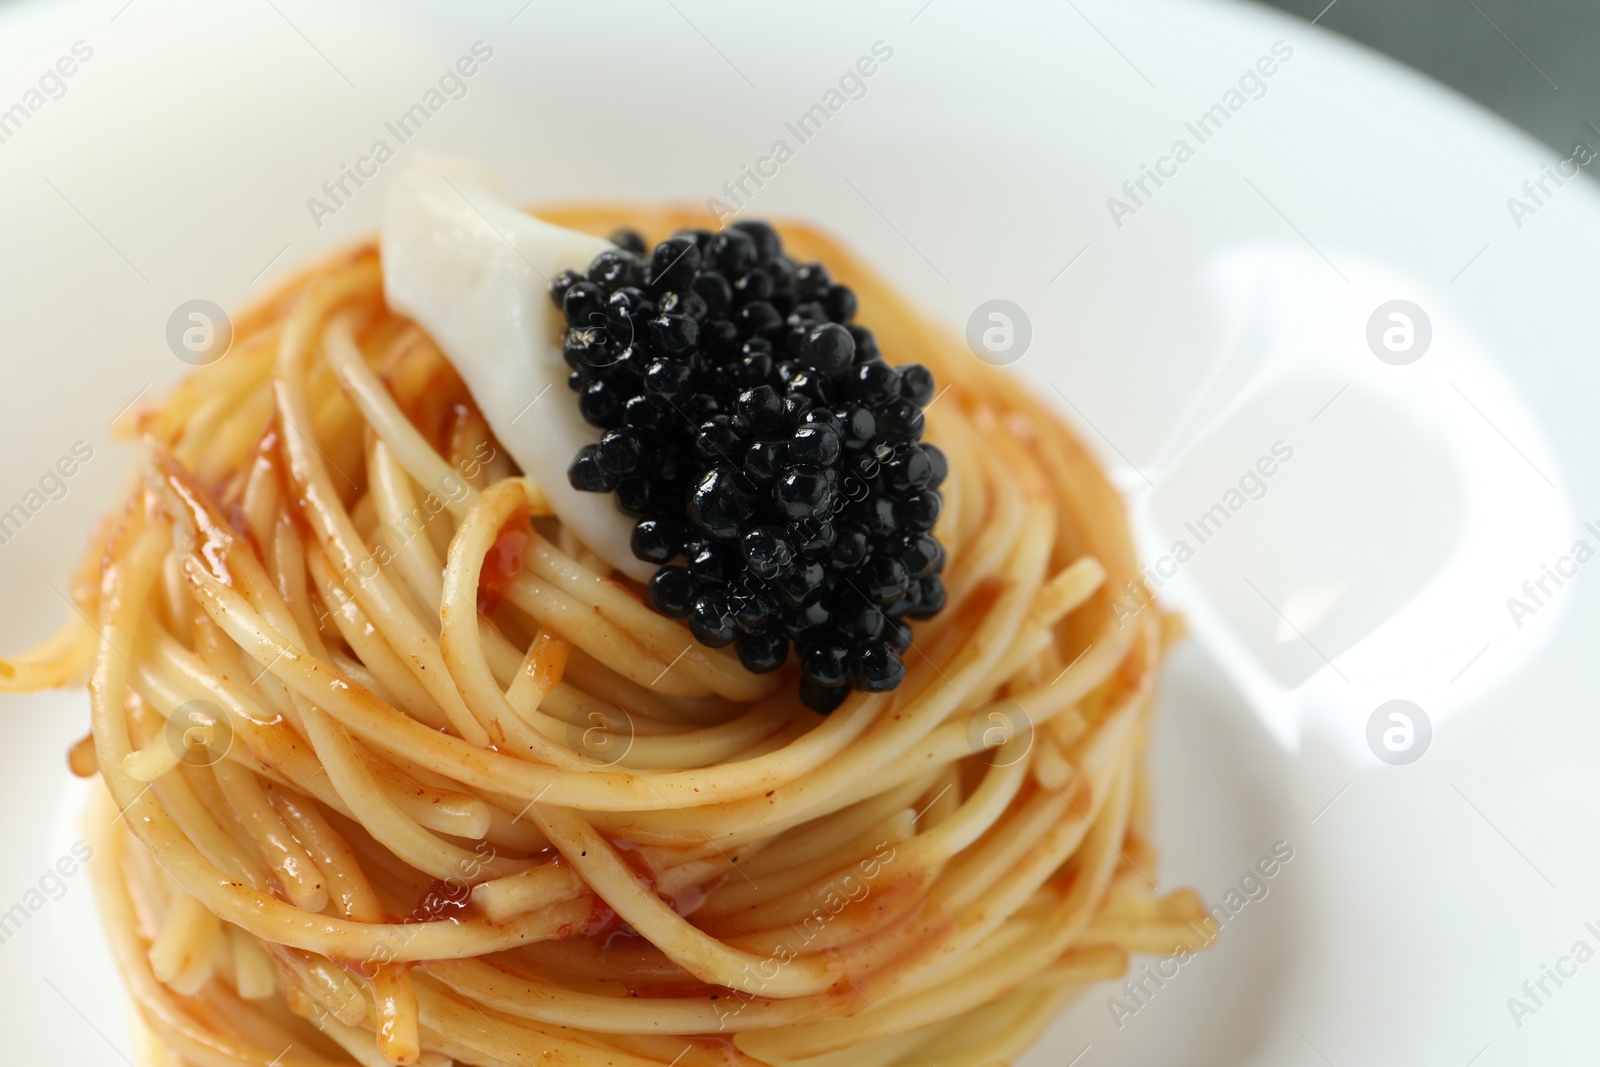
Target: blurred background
1529, 61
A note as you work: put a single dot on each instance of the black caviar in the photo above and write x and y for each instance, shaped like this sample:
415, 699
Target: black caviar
772, 459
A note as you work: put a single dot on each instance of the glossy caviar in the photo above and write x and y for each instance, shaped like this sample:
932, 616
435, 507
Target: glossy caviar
771, 458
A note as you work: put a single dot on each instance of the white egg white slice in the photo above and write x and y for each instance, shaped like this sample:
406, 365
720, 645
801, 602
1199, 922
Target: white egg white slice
472, 270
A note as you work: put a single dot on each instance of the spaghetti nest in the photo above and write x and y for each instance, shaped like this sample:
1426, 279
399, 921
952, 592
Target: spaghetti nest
407, 775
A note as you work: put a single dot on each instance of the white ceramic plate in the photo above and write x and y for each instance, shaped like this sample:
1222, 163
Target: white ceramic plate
1188, 330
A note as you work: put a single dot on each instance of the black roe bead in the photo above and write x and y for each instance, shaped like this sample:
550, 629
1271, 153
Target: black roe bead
719, 504
901, 419
767, 242
856, 485
584, 304
687, 303
811, 385
883, 580
812, 279
766, 551
587, 474
714, 289
907, 469
643, 413
797, 582
906, 604
795, 408
917, 384
784, 296
717, 440
711, 620
876, 668
806, 617
783, 289
939, 464
619, 451
874, 384
857, 621
616, 267
921, 553
559, 286
674, 334
656, 540
897, 635
866, 343
816, 445
806, 387
587, 346
719, 337
920, 510
849, 550
858, 427
600, 403
672, 591
733, 251
820, 698
804, 493
755, 368
702, 238
757, 609
814, 538
829, 348
719, 380
825, 664
674, 262
759, 319
764, 461
667, 462
804, 317
761, 408
932, 599
628, 240
841, 303
753, 285
628, 366
636, 496
699, 409
712, 564
668, 379
876, 516
823, 417
763, 651
627, 311
794, 340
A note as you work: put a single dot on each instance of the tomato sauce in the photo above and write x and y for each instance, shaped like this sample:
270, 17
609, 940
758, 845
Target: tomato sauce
503, 561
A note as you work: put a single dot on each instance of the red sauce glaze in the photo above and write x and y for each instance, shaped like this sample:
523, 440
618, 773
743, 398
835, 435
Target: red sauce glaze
633, 856
503, 561
602, 919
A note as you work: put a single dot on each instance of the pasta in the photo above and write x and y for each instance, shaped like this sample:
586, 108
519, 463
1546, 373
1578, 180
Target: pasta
397, 771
